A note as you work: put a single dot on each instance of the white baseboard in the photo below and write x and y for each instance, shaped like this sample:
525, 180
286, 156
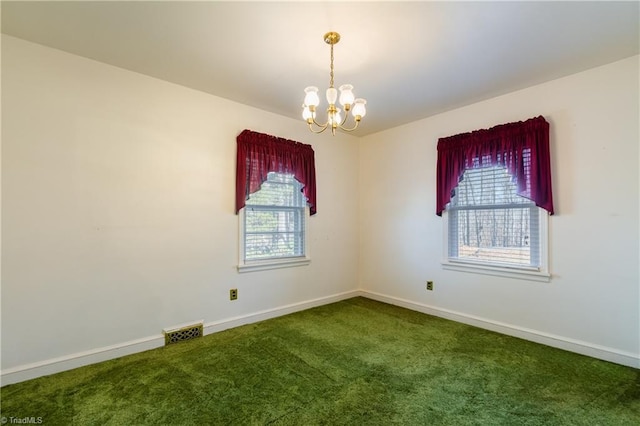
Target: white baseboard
69, 362
216, 326
79, 359
584, 348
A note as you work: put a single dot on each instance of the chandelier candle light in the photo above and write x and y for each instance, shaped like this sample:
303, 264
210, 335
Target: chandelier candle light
347, 100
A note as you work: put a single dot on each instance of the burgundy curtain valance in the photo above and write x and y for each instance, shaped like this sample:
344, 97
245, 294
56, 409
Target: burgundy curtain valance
522, 147
259, 153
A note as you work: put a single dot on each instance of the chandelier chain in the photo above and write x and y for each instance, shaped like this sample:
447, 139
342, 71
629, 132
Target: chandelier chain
331, 72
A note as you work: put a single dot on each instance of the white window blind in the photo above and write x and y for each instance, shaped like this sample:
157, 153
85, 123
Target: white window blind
274, 220
490, 224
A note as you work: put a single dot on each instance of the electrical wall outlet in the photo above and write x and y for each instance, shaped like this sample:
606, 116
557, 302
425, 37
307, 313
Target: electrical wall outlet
430, 285
233, 294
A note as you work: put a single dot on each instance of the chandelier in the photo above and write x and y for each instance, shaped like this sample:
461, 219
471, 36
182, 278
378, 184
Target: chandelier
347, 99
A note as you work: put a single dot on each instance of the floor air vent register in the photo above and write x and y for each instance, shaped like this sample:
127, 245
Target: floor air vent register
181, 334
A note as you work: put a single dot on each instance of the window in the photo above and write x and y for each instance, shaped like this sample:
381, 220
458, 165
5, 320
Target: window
275, 195
494, 188
490, 223
274, 224
490, 226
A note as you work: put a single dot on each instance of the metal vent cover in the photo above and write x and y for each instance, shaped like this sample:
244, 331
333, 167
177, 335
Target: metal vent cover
181, 334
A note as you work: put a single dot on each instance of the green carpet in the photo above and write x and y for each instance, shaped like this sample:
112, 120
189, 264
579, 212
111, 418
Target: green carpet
356, 362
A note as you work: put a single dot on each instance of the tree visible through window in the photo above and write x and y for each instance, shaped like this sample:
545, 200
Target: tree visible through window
490, 223
274, 219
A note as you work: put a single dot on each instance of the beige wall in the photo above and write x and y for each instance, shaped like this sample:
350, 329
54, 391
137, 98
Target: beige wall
592, 300
117, 214
118, 199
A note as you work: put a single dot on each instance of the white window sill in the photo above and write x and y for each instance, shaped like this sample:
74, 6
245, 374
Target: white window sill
261, 265
509, 272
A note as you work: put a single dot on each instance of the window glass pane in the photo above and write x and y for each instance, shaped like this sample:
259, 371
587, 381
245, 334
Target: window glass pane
490, 223
493, 235
485, 187
274, 219
278, 190
273, 233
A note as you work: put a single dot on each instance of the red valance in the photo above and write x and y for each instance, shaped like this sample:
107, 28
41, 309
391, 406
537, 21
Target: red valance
522, 147
259, 153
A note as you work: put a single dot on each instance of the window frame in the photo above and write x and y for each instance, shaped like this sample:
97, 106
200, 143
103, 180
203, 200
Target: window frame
490, 181
245, 265
540, 273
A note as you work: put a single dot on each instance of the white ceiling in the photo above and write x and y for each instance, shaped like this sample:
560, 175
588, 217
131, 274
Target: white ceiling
410, 60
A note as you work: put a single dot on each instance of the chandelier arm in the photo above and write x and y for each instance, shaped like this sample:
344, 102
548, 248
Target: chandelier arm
324, 126
344, 119
321, 128
351, 129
